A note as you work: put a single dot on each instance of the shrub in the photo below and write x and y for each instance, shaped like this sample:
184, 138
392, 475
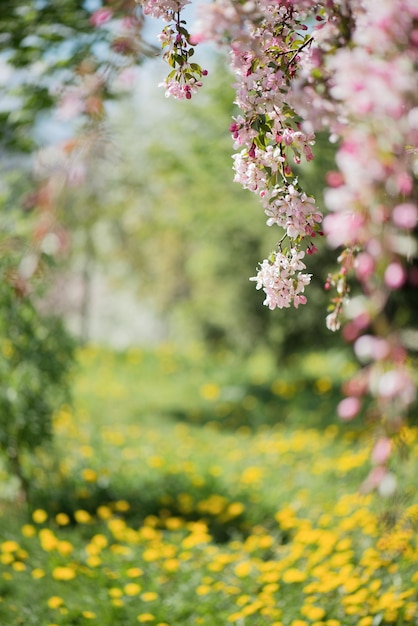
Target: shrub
36, 356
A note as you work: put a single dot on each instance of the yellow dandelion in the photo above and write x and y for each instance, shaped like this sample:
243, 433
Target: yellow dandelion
122, 506
65, 547
174, 523
28, 530
210, 391
134, 572
150, 555
251, 475
18, 566
89, 614
145, 617
9, 546
39, 516
93, 561
242, 569
235, 509
82, 517
38, 573
48, 540
132, 589
115, 592
203, 590
100, 540
171, 565
104, 512
155, 461
118, 549
313, 613
62, 519
252, 608
63, 573
149, 596
89, 475
293, 575
54, 602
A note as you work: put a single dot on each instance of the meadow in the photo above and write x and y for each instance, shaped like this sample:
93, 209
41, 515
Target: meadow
185, 489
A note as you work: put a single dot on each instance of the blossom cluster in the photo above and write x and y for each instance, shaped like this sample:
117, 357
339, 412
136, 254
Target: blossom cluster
185, 78
282, 279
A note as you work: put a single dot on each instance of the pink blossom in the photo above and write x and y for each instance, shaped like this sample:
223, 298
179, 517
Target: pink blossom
369, 348
397, 384
282, 279
365, 266
405, 215
381, 451
348, 408
395, 275
343, 229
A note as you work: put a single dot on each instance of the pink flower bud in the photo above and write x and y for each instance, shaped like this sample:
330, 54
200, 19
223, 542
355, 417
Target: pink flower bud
100, 17
311, 249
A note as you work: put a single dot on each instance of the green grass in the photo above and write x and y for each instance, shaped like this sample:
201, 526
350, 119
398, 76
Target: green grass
188, 489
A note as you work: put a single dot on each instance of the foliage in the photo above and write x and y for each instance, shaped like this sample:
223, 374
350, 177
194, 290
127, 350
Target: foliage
145, 519
46, 48
36, 359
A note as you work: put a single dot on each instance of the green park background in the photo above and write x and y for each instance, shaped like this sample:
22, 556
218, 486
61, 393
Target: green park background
182, 464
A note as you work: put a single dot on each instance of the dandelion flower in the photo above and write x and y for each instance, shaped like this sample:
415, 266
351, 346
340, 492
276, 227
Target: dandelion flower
28, 530
54, 602
63, 573
132, 589
82, 517
149, 596
62, 519
39, 516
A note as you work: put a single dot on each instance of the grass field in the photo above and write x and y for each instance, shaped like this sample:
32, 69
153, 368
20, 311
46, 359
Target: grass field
184, 489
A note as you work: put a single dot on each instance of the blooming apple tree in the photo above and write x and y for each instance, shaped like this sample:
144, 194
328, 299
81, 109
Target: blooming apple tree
348, 67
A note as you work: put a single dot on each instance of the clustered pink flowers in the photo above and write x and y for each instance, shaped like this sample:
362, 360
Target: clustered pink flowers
348, 67
282, 280
184, 79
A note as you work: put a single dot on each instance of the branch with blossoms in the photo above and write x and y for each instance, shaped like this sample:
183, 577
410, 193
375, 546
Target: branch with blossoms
178, 48
64, 166
350, 68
